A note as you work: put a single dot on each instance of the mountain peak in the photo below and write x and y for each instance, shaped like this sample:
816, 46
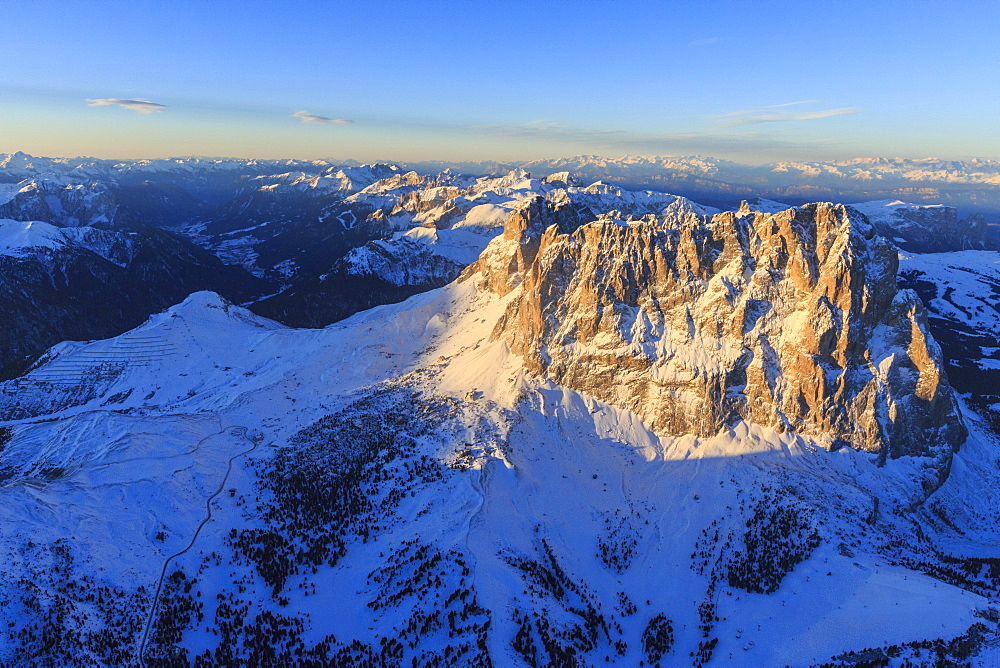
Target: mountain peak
789, 320
200, 300
209, 308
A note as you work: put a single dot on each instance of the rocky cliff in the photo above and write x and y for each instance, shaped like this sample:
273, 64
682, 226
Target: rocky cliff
790, 320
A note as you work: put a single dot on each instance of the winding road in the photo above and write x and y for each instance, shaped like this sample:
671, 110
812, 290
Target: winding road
235, 431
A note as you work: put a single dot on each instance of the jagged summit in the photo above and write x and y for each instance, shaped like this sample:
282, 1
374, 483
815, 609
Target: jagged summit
790, 320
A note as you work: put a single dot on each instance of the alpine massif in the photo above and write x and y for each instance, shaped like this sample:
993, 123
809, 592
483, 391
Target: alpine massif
600, 425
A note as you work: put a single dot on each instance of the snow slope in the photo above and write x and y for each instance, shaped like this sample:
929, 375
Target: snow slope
18, 238
538, 521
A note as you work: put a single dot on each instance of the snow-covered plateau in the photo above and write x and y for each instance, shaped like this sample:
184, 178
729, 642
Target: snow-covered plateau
649, 433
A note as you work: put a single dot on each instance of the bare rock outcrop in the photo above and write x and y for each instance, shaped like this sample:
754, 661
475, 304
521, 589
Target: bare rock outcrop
791, 320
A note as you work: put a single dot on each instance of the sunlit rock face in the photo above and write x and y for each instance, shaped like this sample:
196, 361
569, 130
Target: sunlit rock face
790, 320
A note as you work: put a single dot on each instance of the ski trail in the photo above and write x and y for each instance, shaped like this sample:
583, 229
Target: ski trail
241, 431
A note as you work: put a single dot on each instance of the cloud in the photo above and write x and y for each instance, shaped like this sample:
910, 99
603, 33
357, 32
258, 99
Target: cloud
306, 117
705, 42
769, 115
758, 110
789, 104
769, 106
141, 106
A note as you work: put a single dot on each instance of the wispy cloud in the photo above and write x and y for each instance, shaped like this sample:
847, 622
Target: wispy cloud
141, 106
705, 42
776, 113
789, 104
768, 106
306, 117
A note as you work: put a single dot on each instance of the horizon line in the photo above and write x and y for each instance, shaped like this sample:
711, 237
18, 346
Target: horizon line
333, 160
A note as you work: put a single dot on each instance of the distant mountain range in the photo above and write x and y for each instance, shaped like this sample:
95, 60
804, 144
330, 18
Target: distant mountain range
970, 186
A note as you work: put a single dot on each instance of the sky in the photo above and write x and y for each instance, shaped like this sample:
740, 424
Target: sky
748, 81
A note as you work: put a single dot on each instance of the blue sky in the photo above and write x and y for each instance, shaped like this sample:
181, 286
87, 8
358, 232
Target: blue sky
749, 81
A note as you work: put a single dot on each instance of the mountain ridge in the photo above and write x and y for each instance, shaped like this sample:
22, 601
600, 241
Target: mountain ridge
782, 307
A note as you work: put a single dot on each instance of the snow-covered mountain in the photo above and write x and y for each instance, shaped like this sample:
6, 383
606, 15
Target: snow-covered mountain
164, 193
927, 228
59, 283
971, 185
903, 170
649, 435
62, 201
